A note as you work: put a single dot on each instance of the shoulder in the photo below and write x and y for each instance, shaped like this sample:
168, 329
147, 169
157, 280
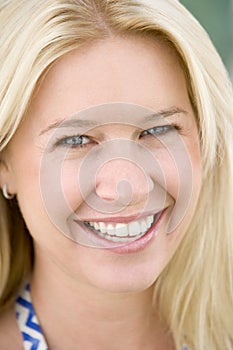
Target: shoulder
10, 337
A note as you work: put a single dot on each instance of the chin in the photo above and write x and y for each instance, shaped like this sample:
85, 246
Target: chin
129, 280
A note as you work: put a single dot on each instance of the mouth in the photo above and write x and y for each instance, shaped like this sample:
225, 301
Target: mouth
119, 232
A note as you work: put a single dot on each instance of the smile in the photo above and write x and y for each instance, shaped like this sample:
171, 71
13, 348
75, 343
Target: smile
123, 232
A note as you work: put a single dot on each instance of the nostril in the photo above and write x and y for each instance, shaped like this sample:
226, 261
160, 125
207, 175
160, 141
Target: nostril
106, 191
123, 182
121, 191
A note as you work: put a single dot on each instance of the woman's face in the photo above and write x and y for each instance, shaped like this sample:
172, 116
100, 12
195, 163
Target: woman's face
106, 164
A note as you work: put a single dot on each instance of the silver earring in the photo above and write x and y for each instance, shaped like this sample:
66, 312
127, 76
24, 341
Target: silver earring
6, 194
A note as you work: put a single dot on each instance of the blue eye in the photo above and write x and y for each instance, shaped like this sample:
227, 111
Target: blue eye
158, 130
74, 141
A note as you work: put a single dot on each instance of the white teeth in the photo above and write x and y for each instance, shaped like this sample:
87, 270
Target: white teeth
134, 228
110, 230
122, 232
149, 220
96, 226
102, 227
143, 227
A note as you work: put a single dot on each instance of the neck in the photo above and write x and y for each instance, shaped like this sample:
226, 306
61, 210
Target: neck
84, 315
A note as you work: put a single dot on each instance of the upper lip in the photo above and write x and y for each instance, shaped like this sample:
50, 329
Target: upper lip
123, 219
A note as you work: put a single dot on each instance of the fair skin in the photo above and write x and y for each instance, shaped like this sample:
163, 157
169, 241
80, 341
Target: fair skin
104, 295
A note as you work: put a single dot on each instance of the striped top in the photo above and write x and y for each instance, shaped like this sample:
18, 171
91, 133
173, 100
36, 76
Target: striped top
32, 335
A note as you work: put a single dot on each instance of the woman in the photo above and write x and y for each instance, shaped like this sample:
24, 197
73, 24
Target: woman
116, 176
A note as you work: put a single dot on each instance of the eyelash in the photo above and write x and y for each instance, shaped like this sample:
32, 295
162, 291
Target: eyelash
155, 131
70, 141
163, 129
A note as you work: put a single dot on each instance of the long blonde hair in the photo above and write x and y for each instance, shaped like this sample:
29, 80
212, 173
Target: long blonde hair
195, 291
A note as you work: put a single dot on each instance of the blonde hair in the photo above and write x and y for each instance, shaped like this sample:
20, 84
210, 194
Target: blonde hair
194, 293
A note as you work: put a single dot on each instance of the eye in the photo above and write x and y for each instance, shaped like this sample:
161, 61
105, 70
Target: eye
74, 141
159, 130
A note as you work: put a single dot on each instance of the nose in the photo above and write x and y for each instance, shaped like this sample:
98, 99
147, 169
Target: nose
123, 181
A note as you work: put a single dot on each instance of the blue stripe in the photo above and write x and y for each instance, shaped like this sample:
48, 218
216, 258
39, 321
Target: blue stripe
30, 308
34, 342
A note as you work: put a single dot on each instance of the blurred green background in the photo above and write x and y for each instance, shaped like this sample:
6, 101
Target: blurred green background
216, 16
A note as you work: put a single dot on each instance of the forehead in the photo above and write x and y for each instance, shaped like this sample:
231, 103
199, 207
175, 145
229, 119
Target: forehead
141, 71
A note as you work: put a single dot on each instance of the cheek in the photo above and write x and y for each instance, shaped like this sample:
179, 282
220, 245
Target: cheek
27, 178
181, 168
25, 157
29, 194
171, 176
69, 185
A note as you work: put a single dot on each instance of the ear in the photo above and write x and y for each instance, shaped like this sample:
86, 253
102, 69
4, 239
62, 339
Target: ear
6, 175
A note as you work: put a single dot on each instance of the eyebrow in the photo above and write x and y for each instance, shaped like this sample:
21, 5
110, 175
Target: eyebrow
81, 123
165, 113
78, 123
